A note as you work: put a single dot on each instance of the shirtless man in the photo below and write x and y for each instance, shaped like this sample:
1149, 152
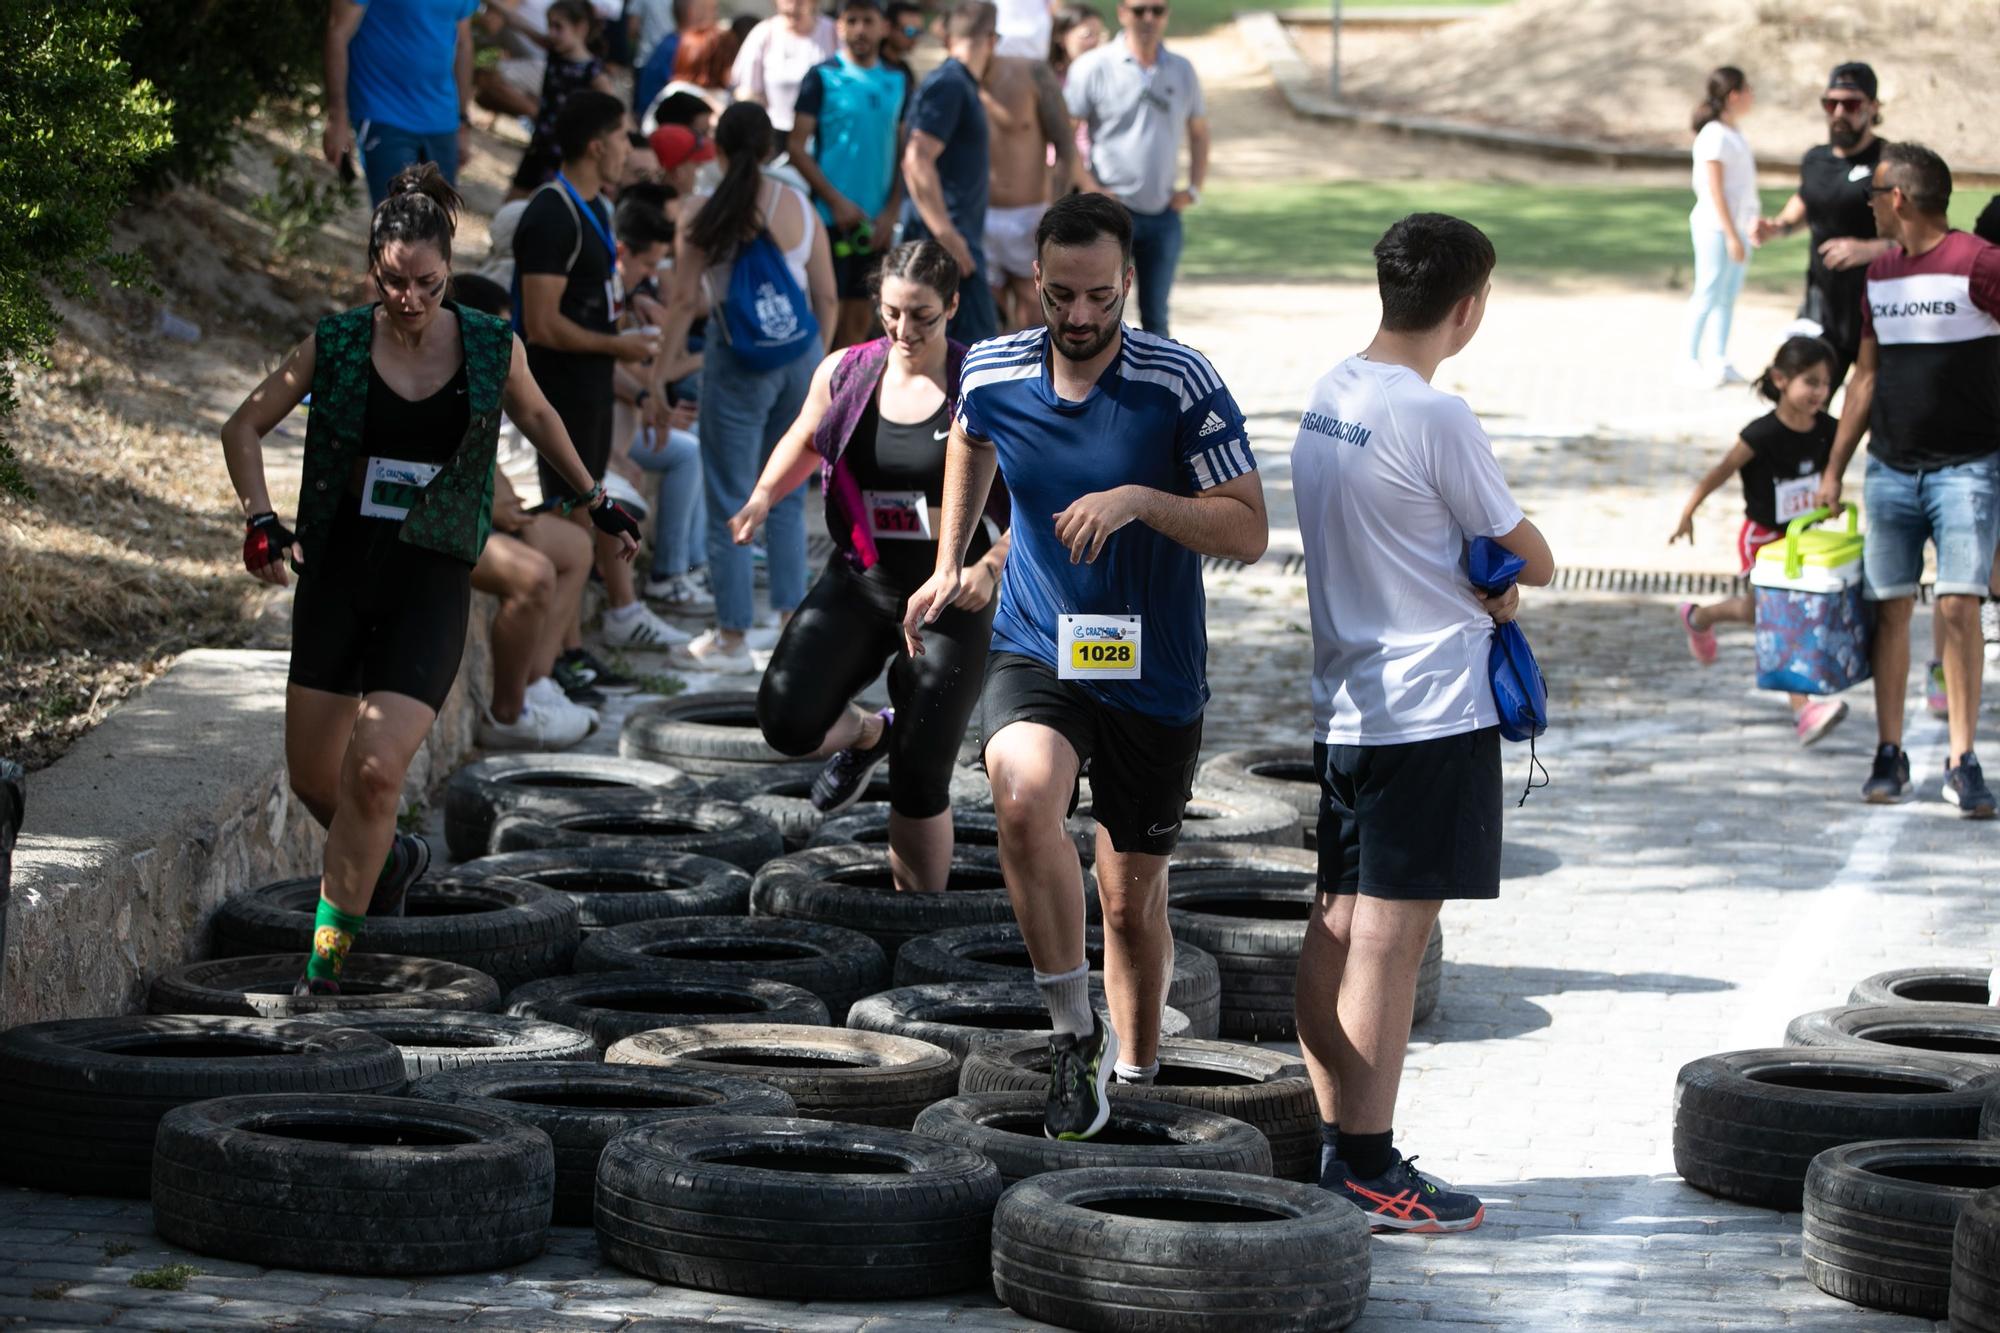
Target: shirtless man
1025, 113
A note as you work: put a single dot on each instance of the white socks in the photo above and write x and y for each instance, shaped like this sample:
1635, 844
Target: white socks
1139, 1074
624, 613
1067, 995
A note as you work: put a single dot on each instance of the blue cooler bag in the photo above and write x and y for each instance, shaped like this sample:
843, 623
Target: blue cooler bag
1814, 628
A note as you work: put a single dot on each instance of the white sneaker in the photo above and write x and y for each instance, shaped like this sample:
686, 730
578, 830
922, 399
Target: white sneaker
641, 629
678, 594
1727, 375
549, 696
537, 728
708, 653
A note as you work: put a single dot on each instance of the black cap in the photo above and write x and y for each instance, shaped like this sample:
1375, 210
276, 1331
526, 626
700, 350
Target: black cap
873, 6
1854, 74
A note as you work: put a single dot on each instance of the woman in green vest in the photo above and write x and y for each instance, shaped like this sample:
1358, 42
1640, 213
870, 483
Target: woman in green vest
395, 504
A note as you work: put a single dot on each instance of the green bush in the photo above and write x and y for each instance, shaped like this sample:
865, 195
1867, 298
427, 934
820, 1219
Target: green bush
74, 128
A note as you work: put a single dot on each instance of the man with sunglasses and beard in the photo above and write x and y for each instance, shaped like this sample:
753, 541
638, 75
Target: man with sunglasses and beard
1832, 204
1127, 461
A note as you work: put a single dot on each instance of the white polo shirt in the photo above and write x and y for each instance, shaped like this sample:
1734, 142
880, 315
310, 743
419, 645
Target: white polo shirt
1392, 477
1137, 118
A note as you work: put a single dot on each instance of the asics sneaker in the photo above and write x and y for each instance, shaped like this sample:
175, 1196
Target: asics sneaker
1405, 1199
1079, 1067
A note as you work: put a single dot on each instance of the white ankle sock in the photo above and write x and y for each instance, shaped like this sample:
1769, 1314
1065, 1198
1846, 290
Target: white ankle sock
1140, 1074
623, 613
1067, 995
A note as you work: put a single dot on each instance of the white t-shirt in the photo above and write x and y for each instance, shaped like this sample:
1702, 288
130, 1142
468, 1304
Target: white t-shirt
774, 61
1025, 27
1392, 477
1722, 143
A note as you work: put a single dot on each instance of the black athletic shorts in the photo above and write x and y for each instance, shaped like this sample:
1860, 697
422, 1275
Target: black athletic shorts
852, 274
1416, 821
581, 395
374, 613
848, 627
1141, 771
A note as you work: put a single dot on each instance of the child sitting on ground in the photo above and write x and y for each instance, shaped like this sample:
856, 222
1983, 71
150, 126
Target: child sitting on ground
1778, 458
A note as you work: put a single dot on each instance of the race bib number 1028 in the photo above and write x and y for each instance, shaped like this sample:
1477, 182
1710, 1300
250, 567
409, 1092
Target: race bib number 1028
1097, 647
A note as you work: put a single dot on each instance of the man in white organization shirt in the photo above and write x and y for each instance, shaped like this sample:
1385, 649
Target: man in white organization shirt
1393, 478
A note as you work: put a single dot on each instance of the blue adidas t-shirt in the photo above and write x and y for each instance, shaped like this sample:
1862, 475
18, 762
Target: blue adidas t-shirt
1158, 417
856, 113
402, 64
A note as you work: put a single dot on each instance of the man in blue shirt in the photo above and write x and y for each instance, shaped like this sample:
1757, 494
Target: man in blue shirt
845, 127
1127, 460
945, 163
398, 82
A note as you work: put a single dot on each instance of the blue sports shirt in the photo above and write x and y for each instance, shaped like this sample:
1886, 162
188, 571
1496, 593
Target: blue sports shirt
856, 114
1159, 417
402, 64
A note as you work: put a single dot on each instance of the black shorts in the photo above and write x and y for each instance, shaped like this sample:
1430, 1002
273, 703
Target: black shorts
1418, 821
584, 402
374, 613
1141, 771
852, 275
848, 627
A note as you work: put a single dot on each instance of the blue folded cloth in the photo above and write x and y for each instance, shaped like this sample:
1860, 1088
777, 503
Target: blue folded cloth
1519, 692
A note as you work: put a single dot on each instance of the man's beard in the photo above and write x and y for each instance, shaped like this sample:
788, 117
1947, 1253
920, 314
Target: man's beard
1095, 345
1843, 135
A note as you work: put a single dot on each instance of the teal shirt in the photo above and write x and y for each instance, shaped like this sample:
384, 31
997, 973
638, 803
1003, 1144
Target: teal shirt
856, 113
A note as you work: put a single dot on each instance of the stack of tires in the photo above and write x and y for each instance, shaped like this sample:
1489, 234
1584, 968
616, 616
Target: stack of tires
1879, 1123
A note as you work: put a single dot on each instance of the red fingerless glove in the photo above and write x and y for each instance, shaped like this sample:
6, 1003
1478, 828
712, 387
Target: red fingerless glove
266, 542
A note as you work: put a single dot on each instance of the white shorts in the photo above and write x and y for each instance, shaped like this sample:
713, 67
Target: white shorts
1010, 242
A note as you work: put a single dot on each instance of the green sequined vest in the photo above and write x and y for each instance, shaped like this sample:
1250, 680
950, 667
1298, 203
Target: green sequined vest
454, 513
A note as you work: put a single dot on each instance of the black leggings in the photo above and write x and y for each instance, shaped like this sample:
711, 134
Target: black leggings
849, 625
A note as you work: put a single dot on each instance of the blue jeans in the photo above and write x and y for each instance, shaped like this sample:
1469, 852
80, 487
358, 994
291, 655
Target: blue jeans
1957, 509
743, 414
676, 456
1717, 281
1156, 254
385, 150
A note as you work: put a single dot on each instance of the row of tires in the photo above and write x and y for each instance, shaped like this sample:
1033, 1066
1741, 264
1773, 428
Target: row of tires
1878, 1122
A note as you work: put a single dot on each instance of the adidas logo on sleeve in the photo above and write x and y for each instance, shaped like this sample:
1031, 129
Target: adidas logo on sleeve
1212, 425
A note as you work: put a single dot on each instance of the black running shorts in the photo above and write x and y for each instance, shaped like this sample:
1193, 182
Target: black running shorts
1416, 821
1141, 771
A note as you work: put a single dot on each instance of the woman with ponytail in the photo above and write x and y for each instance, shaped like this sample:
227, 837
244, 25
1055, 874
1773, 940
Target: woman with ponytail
754, 255
1725, 215
394, 508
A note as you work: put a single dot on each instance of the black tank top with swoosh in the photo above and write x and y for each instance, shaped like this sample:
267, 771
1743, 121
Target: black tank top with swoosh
899, 459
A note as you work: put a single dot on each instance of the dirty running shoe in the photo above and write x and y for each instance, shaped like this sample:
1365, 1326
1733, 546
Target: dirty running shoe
1965, 787
1935, 699
409, 858
1891, 774
305, 988
1079, 1067
840, 784
1701, 642
1405, 1199
580, 666
1818, 718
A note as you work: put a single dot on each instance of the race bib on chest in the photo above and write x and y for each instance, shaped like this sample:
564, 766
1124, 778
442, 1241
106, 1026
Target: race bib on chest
1796, 497
390, 487
898, 515
1097, 647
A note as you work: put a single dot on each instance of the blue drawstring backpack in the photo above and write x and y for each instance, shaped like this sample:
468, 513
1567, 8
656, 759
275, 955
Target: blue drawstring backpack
1519, 692
766, 319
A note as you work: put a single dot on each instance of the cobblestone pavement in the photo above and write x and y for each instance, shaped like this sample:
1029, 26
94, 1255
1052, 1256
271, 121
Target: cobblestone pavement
1689, 882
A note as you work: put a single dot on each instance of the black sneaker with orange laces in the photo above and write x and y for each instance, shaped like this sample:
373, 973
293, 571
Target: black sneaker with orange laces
1405, 1199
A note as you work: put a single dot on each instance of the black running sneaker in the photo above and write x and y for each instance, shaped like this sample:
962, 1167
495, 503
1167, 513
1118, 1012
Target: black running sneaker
1079, 1067
1405, 1199
306, 988
1892, 774
846, 774
1965, 787
409, 858
579, 666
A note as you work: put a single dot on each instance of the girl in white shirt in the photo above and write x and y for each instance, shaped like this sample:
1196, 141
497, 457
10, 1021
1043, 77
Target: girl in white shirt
1724, 217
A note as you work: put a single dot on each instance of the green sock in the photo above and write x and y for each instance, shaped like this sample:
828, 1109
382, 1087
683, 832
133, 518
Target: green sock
334, 932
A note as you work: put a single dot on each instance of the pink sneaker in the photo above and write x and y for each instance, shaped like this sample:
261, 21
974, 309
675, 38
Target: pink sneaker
1816, 719
1701, 642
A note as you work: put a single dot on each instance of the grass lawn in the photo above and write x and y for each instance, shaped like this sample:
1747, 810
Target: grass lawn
1192, 16
1324, 231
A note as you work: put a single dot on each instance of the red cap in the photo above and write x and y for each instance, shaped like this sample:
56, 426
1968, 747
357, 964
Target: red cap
675, 144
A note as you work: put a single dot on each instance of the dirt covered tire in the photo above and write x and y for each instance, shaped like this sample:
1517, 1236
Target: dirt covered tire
611, 1005
796, 1209
509, 929
434, 1039
1747, 1124
482, 791
712, 734
1156, 1250
1878, 1219
1283, 773
692, 826
583, 1107
998, 953
1218, 814
81, 1099
261, 987
972, 830
851, 886
1965, 1032
834, 963
1926, 985
375, 1185
1975, 1266
860, 1078
612, 886
782, 794
962, 1016
1006, 1128
1266, 1089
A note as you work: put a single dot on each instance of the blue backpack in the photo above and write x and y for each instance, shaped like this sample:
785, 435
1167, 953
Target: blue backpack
766, 319
1519, 691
